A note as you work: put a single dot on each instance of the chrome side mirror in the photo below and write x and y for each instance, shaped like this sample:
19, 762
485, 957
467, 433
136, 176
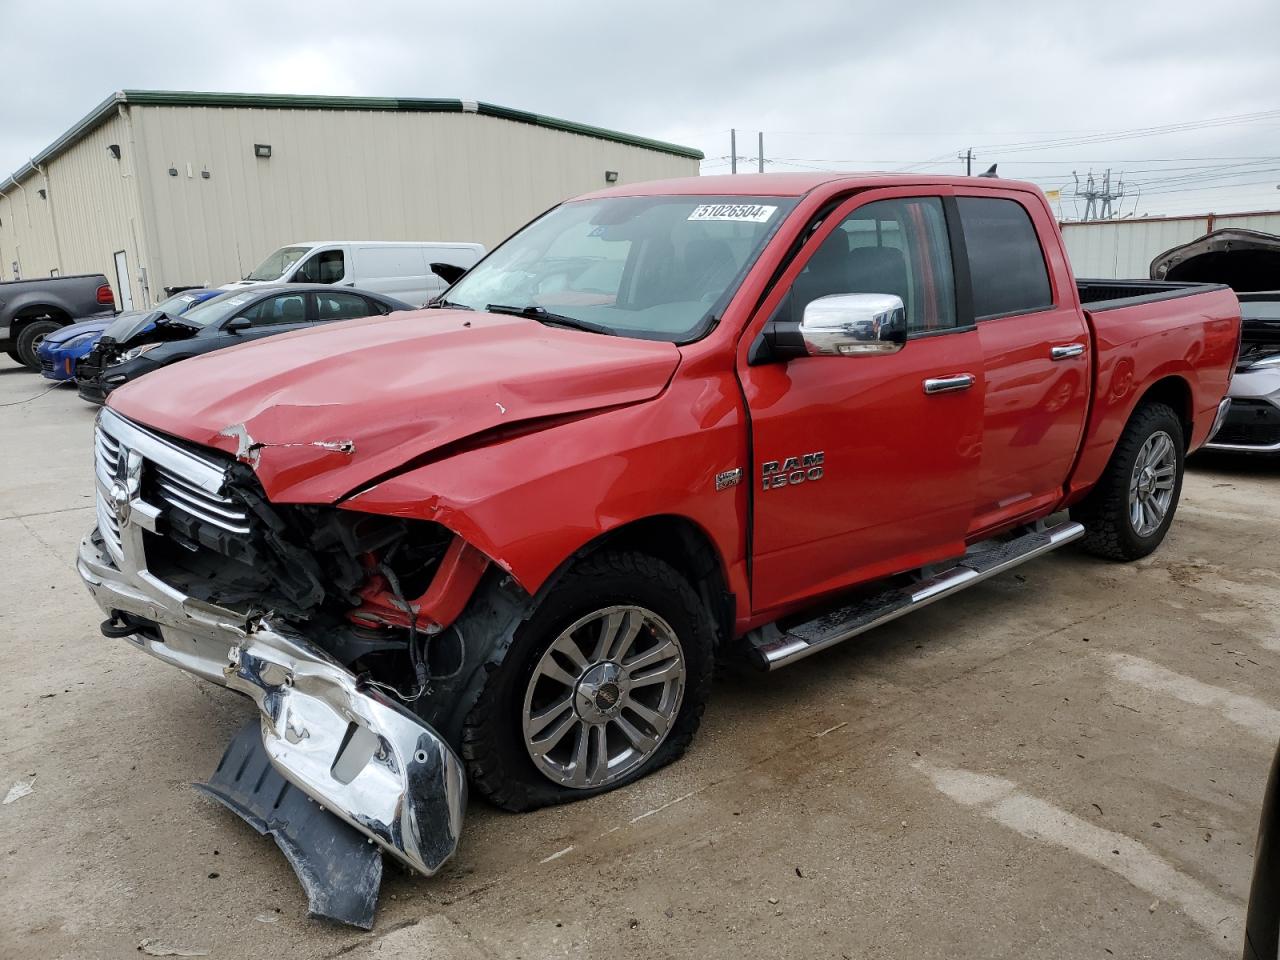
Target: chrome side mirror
854, 324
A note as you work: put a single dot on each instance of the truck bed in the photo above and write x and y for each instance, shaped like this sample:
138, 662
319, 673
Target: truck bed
1097, 295
1178, 338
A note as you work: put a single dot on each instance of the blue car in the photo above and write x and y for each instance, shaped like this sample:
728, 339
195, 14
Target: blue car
61, 350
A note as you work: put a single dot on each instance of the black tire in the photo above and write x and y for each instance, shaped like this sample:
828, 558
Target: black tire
493, 747
29, 338
1109, 532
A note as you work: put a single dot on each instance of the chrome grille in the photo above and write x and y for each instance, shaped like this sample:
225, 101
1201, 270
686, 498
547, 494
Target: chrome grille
172, 478
106, 456
188, 496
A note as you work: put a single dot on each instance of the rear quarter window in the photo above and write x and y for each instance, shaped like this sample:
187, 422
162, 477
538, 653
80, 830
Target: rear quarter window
1006, 264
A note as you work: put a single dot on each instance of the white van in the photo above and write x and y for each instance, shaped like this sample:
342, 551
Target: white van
398, 269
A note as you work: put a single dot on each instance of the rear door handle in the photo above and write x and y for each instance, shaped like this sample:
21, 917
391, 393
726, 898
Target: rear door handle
960, 381
1067, 351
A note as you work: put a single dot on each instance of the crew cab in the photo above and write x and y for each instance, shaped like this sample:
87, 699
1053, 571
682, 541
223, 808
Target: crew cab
748, 416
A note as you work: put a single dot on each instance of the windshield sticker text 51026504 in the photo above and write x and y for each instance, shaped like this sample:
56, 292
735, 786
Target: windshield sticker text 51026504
742, 212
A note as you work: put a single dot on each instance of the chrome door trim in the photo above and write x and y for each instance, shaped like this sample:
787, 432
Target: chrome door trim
1066, 351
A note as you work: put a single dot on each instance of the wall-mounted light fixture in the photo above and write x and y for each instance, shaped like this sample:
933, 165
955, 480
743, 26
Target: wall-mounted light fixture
611, 176
114, 150
204, 174
262, 150
44, 194
173, 171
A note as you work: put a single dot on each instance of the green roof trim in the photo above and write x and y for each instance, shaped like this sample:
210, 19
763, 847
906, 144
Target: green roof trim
282, 101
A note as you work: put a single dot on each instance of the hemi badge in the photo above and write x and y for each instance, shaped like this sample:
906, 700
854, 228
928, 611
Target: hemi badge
729, 478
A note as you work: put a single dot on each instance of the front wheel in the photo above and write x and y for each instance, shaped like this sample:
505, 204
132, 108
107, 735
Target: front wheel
1128, 513
605, 683
29, 339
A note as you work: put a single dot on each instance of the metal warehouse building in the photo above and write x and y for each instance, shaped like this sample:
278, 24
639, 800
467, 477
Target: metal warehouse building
160, 189
1124, 249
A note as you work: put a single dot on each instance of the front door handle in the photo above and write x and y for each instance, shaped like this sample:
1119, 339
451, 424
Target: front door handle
1067, 351
959, 381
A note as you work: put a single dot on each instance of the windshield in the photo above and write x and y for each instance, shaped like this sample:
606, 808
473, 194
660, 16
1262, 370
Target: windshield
278, 264
656, 268
177, 304
217, 309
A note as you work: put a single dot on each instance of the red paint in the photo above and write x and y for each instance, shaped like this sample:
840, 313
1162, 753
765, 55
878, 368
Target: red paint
529, 442
460, 570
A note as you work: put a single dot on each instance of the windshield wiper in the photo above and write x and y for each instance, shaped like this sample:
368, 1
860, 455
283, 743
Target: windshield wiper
543, 315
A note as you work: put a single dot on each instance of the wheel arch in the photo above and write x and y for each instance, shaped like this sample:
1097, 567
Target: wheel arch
682, 544
37, 311
1175, 392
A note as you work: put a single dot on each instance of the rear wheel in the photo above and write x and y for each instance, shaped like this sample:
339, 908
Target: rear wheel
29, 339
1128, 513
604, 684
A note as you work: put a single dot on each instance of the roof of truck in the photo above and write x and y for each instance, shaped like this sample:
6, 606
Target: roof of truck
796, 184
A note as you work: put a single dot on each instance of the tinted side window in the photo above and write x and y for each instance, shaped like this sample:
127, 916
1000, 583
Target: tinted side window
343, 306
328, 266
890, 246
1005, 261
284, 308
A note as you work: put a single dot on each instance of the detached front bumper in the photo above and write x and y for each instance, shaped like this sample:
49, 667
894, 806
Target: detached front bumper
352, 750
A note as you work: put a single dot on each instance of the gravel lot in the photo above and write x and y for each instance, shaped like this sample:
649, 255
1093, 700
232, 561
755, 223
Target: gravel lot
1066, 761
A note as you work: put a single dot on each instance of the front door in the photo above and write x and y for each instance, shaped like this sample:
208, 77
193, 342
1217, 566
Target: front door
122, 281
1035, 351
878, 474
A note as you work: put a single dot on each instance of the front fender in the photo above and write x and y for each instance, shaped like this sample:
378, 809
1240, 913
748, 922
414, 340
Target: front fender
531, 501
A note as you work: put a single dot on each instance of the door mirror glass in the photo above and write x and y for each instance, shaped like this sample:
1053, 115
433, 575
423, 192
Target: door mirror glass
854, 324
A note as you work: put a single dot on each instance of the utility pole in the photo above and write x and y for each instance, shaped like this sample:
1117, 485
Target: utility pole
967, 157
760, 154
733, 150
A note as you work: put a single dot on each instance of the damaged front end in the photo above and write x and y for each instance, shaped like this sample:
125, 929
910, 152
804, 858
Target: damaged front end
331, 621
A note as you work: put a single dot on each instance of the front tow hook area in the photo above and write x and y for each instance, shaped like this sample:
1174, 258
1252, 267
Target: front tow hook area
374, 773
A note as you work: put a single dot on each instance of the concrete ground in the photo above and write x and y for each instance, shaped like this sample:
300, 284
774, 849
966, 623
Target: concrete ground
1066, 761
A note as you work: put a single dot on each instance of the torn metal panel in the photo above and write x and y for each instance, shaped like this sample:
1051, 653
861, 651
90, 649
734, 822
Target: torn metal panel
340, 870
249, 450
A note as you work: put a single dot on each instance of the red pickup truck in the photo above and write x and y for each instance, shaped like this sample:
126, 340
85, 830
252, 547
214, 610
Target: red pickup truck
502, 540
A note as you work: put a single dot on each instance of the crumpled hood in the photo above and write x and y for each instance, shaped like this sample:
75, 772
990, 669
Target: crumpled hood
321, 412
128, 325
73, 330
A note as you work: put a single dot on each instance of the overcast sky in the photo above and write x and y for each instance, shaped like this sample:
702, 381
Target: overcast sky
841, 84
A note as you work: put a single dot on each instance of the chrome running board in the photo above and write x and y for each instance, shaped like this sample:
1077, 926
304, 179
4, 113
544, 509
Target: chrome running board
774, 646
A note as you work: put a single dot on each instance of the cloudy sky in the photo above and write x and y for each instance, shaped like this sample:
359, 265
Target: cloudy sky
1182, 97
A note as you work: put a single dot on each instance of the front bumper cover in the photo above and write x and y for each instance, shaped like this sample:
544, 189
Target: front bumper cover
351, 749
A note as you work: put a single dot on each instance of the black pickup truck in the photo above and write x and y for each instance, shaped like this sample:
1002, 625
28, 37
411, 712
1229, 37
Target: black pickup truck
32, 309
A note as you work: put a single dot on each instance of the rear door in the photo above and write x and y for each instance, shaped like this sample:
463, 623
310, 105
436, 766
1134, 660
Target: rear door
1035, 350
878, 473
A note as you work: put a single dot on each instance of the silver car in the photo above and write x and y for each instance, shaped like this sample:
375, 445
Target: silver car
1252, 425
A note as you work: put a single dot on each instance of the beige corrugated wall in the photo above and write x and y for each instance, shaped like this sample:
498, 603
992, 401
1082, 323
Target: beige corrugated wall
1124, 249
94, 201
355, 175
26, 231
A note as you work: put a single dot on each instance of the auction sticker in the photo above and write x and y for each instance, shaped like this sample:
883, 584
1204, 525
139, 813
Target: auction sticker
742, 212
